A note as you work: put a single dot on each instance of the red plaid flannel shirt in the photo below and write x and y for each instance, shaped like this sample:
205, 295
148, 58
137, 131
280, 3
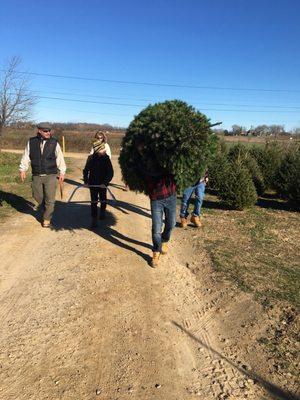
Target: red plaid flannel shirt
161, 187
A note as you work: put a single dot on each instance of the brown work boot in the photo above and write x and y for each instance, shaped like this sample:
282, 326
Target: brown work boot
164, 248
183, 222
196, 221
46, 223
155, 259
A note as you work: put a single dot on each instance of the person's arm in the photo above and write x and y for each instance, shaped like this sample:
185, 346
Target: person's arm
109, 172
86, 170
107, 149
24, 164
60, 162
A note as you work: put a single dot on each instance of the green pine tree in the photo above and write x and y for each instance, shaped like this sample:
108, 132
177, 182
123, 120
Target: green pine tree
237, 190
175, 137
287, 180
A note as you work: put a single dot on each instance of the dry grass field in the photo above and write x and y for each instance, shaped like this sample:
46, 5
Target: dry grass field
75, 141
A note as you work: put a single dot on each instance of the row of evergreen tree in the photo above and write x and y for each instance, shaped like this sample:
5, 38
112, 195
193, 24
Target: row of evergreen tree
173, 137
240, 174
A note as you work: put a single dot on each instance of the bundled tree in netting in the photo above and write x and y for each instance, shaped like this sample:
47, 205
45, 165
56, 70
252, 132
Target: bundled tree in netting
237, 190
176, 139
287, 180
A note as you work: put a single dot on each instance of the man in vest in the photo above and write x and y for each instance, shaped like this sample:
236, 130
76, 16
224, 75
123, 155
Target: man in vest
44, 154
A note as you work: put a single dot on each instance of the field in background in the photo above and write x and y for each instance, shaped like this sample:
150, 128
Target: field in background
259, 141
81, 141
75, 141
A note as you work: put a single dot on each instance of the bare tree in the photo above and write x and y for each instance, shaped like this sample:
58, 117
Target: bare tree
260, 130
237, 130
276, 130
16, 99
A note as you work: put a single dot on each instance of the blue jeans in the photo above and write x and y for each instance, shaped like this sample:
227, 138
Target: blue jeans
186, 198
160, 209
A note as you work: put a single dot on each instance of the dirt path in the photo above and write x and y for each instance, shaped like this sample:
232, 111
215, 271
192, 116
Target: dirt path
83, 315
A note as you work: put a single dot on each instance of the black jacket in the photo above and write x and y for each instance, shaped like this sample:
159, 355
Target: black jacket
43, 163
98, 170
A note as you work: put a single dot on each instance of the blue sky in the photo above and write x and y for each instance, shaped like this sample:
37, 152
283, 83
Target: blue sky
221, 44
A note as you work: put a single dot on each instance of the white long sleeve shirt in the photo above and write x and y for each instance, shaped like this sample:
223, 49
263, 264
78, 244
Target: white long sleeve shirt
60, 161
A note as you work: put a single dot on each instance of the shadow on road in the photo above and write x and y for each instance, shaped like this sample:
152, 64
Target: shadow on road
121, 206
117, 186
18, 203
274, 391
127, 208
72, 216
75, 216
72, 182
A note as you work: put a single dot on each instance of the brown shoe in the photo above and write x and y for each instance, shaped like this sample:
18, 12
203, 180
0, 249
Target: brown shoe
183, 222
196, 221
164, 248
155, 259
46, 223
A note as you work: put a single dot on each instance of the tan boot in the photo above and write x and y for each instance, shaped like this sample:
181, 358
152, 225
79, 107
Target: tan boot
164, 248
183, 222
196, 221
155, 259
46, 223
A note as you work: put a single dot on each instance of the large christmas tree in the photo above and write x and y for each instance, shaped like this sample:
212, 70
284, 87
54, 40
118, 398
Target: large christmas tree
175, 137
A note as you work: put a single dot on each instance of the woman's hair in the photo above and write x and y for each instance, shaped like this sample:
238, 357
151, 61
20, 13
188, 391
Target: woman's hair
101, 133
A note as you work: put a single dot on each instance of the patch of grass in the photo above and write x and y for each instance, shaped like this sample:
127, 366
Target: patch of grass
258, 249
281, 341
14, 194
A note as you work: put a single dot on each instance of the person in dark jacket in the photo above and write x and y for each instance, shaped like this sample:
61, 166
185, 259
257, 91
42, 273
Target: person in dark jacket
161, 188
98, 171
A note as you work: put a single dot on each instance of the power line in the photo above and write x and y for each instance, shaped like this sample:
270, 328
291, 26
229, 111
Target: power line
90, 101
78, 92
152, 100
157, 83
142, 105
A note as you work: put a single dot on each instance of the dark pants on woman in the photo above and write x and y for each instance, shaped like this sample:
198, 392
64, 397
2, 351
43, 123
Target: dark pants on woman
96, 195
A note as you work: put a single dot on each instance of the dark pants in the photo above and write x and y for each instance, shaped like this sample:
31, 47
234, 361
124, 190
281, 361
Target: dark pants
160, 209
96, 195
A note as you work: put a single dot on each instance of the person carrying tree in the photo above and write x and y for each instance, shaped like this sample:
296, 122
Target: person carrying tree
98, 171
44, 154
162, 192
